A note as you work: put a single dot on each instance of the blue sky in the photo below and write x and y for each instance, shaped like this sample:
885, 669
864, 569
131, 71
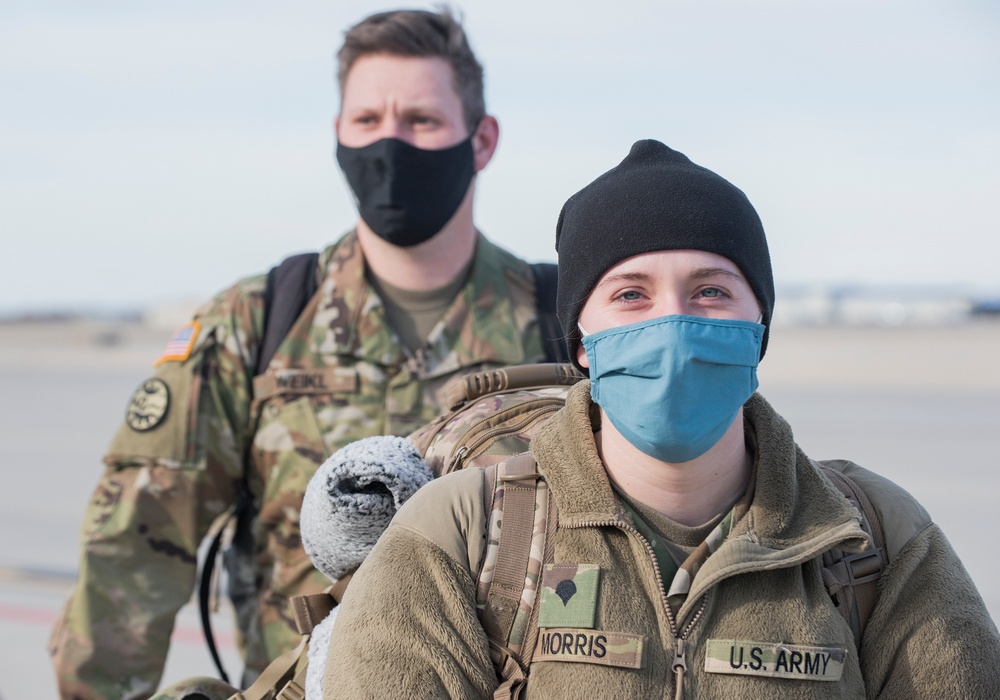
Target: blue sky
158, 152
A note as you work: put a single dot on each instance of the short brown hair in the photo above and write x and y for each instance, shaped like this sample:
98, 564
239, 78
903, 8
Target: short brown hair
419, 33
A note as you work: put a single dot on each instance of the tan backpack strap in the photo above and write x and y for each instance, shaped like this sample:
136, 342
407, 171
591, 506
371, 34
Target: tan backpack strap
469, 387
522, 520
310, 610
270, 678
513, 673
859, 572
295, 689
339, 588
513, 680
519, 476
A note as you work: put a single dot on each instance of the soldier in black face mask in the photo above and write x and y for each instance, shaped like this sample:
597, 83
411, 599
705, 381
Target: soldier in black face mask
408, 299
406, 194
411, 135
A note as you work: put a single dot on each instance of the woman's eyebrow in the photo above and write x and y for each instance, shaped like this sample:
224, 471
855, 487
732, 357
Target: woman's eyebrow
635, 276
704, 272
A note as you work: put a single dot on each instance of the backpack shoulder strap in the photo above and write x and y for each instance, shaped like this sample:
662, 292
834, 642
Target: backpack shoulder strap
286, 675
290, 286
280, 680
852, 579
546, 280
521, 520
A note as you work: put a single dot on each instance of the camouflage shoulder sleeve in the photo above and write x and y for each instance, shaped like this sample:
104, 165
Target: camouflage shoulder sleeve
519, 291
171, 469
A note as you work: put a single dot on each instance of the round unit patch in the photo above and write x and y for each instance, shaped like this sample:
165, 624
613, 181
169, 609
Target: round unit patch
148, 406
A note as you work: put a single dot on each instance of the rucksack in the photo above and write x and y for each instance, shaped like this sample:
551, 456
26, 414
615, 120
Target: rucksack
290, 285
493, 416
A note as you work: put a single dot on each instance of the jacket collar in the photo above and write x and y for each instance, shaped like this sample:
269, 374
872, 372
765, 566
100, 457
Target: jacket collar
796, 514
479, 326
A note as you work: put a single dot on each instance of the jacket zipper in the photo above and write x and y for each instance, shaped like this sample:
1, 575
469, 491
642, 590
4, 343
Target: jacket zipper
679, 664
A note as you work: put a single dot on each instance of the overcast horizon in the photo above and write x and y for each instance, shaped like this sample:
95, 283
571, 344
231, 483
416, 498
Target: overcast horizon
155, 154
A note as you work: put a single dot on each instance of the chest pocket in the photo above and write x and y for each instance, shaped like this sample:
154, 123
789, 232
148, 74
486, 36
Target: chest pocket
292, 438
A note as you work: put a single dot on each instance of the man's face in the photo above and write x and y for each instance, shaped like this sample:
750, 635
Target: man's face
664, 283
411, 99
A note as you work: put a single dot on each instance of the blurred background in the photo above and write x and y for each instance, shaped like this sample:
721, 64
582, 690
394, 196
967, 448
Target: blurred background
151, 155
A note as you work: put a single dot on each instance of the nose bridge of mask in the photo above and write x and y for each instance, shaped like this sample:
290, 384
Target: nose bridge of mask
672, 386
648, 348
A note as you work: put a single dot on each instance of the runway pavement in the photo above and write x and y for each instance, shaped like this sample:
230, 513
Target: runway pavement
919, 405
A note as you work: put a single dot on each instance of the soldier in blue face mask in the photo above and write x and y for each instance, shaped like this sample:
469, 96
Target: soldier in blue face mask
694, 550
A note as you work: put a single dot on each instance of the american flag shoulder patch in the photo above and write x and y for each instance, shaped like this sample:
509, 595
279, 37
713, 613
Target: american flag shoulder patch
180, 344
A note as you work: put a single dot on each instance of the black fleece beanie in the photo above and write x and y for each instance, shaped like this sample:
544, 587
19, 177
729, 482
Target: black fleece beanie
655, 199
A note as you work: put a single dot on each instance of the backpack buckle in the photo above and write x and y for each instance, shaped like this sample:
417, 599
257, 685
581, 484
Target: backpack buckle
863, 567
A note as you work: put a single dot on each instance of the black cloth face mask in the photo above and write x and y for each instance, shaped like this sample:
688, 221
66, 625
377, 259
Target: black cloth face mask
407, 194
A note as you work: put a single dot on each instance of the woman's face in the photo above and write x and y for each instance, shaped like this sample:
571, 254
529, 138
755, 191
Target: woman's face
665, 283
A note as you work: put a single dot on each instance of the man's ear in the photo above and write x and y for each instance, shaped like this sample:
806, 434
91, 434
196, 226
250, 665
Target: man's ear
484, 141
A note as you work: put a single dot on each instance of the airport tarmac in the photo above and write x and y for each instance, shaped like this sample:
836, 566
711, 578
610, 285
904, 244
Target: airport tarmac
920, 405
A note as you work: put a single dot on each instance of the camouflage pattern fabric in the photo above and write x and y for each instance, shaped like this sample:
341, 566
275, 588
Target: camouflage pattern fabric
536, 557
197, 688
490, 430
340, 375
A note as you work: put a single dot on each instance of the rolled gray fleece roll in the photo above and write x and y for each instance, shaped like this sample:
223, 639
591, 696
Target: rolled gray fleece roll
353, 496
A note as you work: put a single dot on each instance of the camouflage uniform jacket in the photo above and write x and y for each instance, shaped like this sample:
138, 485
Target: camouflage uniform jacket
340, 375
758, 621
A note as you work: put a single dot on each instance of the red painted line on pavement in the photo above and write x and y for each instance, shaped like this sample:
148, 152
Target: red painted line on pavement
47, 618
31, 616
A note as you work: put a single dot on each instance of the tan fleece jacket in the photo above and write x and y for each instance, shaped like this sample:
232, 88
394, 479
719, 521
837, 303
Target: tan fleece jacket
758, 606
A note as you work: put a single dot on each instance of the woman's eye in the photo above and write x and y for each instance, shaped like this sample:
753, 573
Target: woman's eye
630, 295
711, 292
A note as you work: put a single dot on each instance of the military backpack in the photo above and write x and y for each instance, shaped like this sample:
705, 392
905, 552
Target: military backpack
493, 416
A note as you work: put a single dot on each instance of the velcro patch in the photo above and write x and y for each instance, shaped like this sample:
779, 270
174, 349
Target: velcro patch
587, 646
180, 344
148, 406
774, 660
569, 595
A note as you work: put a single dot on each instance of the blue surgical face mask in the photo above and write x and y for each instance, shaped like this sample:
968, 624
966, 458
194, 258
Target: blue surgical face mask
673, 385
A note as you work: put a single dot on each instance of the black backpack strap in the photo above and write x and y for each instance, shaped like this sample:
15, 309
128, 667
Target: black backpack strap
205, 586
290, 286
546, 279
